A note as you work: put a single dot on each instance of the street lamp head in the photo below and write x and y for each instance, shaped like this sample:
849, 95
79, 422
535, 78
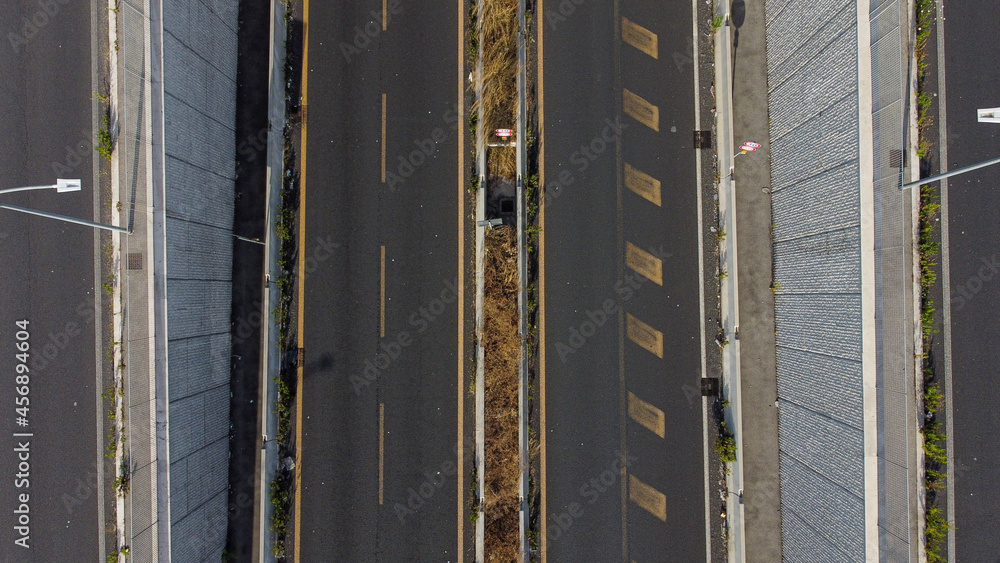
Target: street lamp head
63, 185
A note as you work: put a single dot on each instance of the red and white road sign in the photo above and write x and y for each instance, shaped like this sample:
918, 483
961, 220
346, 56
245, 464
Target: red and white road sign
504, 133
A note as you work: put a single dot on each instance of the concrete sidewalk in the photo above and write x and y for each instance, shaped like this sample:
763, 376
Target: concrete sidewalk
758, 372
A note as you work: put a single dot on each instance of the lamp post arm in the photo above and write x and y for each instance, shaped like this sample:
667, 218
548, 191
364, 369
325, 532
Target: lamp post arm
951, 173
66, 219
26, 188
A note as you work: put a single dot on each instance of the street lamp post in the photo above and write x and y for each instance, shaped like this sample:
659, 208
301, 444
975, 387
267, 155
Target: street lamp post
61, 185
989, 115
951, 173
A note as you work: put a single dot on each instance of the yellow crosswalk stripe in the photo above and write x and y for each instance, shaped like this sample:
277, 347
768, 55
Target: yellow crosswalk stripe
643, 184
641, 110
646, 414
646, 264
647, 498
640, 38
645, 335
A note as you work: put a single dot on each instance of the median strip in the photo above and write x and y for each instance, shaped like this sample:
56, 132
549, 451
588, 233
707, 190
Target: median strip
502, 353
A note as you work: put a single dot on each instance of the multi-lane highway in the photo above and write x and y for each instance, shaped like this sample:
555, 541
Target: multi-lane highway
49, 475
623, 476
971, 34
384, 384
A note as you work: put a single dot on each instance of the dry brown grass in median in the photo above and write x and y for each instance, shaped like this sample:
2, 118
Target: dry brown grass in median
502, 353
499, 96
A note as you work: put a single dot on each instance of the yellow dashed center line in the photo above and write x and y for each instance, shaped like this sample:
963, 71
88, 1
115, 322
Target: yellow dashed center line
641, 110
381, 450
381, 322
643, 184
644, 335
646, 264
383, 137
640, 38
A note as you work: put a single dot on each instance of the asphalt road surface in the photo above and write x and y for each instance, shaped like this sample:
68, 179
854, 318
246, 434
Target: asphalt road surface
622, 350
381, 420
48, 279
972, 33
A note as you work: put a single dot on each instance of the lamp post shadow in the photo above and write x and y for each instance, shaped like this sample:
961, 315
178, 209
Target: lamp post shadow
738, 15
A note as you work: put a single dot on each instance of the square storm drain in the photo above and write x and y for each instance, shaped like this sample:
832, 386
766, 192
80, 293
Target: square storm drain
507, 205
702, 139
710, 387
134, 261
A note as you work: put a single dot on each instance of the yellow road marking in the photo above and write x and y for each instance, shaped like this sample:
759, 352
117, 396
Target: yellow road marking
543, 516
646, 264
642, 184
385, 13
646, 414
648, 498
460, 390
381, 450
381, 322
645, 335
641, 110
640, 38
302, 282
383, 137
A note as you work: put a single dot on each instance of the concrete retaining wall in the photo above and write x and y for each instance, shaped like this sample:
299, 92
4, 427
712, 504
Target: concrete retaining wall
199, 112
819, 189
813, 105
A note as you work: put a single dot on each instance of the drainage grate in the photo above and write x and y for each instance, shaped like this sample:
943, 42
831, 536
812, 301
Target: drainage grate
507, 205
895, 158
134, 261
302, 357
702, 139
710, 387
